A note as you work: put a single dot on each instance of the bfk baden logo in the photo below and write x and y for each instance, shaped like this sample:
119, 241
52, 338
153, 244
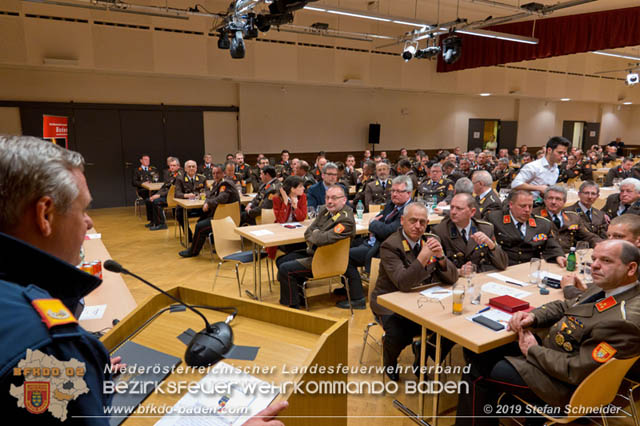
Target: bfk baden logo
49, 384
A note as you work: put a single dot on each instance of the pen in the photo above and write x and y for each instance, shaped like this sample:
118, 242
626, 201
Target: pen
441, 292
514, 283
484, 309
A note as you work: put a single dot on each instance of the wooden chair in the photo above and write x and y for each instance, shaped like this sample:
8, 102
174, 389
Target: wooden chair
328, 262
599, 203
248, 188
597, 390
373, 278
574, 182
232, 210
375, 208
229, 248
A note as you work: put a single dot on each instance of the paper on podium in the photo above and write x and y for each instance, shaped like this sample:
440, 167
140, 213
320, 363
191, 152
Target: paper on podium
228, 397
503, 290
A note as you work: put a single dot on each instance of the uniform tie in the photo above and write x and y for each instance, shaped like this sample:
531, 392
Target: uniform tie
594, 298
519, 226
464, 235
416, 249
556, 221
589, 214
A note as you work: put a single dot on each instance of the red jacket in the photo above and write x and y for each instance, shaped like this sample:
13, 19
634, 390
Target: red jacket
283, 212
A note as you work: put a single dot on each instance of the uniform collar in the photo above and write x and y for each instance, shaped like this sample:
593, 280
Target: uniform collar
620, 290
583, 207
412, 243
484, 194
59, 278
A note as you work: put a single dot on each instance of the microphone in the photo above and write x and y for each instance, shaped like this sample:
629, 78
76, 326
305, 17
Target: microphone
208, 346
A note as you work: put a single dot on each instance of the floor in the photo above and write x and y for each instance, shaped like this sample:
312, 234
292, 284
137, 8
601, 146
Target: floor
154, 256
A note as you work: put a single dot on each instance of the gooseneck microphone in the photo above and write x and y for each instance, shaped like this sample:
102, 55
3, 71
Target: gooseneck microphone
209, 345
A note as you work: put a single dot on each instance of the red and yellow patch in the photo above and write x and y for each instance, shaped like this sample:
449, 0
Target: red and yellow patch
506, 219
544, 213
574, 227
222, 188
36, 397
532, 222
53, 312
540, 237
338, 228
607, 303
603, 352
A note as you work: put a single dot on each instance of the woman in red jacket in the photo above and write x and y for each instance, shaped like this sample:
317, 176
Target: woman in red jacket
290, 206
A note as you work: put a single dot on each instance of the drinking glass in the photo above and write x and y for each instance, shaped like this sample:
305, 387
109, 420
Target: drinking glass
582, 250
458, 299
311, 212
535, 269
469, 272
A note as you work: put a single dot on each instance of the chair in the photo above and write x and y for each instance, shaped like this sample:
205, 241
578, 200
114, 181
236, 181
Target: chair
599, 203
171, 206
248, 188
633, 385
597, 390
232, 210
137, 210
229, 248
373, 277
268, 216
328, 262
375, 208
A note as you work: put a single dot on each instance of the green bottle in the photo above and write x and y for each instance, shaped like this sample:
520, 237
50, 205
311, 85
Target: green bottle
571, 260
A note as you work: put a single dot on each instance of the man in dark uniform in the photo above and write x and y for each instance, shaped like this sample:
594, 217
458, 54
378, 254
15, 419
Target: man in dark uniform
189, 186
270, 186
486, 198
379, 190
594, 219
380, 227
333, 223
368, 174
145, 173
255, 173
207, 167
317, 170
583, 334
408, 259
484, 162
404, 167
463, 170
351, 175
159, 199
622, 171
626, 201
523, 236
224, 192
570, 169
243, 171
568, 228
303, 171
465, 239
436, 186
285, 163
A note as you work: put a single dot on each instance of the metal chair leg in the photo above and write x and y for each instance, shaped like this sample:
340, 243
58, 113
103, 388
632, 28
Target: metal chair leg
273, 274
346, 285
304, 294
215, 278
238, 279
632, 403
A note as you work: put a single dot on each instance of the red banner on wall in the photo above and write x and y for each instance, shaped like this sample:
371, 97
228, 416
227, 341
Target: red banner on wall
55, 127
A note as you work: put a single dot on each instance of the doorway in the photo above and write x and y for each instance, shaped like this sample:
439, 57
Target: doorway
492, 134
582, 134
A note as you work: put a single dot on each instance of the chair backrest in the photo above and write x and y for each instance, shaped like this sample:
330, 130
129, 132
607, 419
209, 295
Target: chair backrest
249, 187
374, 208
171, 197
225, 238
331, 260
599, 203
232, 210
601, 386
268, 216
373, 274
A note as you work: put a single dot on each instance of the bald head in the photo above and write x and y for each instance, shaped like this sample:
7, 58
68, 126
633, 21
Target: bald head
615, 264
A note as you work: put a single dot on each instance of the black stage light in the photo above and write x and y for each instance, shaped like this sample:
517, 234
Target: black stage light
223, 40
237, 46
451, 49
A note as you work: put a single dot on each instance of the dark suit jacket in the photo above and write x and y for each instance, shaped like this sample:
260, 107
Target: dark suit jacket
400, 270
315, 195
613, 203
488, 203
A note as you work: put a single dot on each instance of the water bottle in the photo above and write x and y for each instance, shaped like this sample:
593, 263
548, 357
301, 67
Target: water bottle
359, 210
571, 260
434, 202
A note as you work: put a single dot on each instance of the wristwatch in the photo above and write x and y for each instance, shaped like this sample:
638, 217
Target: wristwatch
439, 258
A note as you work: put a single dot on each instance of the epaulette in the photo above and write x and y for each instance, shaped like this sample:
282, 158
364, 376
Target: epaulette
570, 211
484, 222
53, 312
540, 217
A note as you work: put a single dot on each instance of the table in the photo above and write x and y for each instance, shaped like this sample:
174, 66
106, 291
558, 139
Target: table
457, 328
278, 235
152, 186
186, 205
113, 291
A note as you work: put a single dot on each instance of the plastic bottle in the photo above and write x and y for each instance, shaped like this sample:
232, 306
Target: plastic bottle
571, 260
359, 209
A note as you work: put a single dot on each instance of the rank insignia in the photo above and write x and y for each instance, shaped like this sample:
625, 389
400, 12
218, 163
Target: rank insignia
540, 237
432, 259
506, 219
603, 352
222, 188
338, 228
405, 245
186, 179
335, 217
607, 303
567, 347
559, 339
36, 397
574, 227
53, 312
563, 326
532, 222
544, 213
270, 196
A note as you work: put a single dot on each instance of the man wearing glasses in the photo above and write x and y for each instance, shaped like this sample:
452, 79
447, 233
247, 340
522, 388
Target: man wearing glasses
380, 227
333, 222
316, 193
594, 219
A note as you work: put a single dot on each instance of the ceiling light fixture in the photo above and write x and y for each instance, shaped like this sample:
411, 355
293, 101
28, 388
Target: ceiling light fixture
500, 36
627, 103
565, 99
616, 55
485, 94
371, 16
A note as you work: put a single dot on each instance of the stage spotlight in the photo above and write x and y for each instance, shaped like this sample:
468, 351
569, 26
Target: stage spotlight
632, 79
410, 49
427, 53
237, 46
223, 40
451, 49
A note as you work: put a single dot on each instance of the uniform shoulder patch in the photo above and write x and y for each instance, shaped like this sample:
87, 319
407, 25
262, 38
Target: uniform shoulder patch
53, 312
485, 223
570, 212
222, 188
338, 229
603, 352
543, 218
405, 245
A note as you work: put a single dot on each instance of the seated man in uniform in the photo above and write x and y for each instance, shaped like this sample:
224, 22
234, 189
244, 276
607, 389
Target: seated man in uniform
224, 192
568, 228
145, 173
333, 223
503, 174
467, 240
436, 186
268, 188
488, 200
316, 193
189, 187
626, 201
46, 222
594, 219
622, 171
408, 259
463, 170
380, 227
379, 190
243, 171
207, 167
583, 334
159, 200
523, 236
